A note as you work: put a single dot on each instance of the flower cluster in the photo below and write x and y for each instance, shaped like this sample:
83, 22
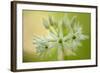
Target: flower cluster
65, 35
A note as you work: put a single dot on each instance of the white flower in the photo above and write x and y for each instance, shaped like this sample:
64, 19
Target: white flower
42, 45
65, 35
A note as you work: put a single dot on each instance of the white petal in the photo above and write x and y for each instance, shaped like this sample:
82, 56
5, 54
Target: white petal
53, 36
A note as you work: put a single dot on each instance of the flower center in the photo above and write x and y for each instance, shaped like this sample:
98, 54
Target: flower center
60, 41
46, 47
74, 37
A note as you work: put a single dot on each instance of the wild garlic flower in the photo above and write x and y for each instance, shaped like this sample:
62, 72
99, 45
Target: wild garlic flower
65, 35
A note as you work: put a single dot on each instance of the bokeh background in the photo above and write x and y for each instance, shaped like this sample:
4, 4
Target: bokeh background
33, 24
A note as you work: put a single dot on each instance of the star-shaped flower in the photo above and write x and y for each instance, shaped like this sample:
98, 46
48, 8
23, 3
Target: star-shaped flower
65, 35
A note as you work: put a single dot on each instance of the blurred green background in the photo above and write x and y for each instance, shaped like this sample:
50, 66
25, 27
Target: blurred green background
32, 24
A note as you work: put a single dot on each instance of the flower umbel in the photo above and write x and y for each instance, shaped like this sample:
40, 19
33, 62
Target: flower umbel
65, 35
